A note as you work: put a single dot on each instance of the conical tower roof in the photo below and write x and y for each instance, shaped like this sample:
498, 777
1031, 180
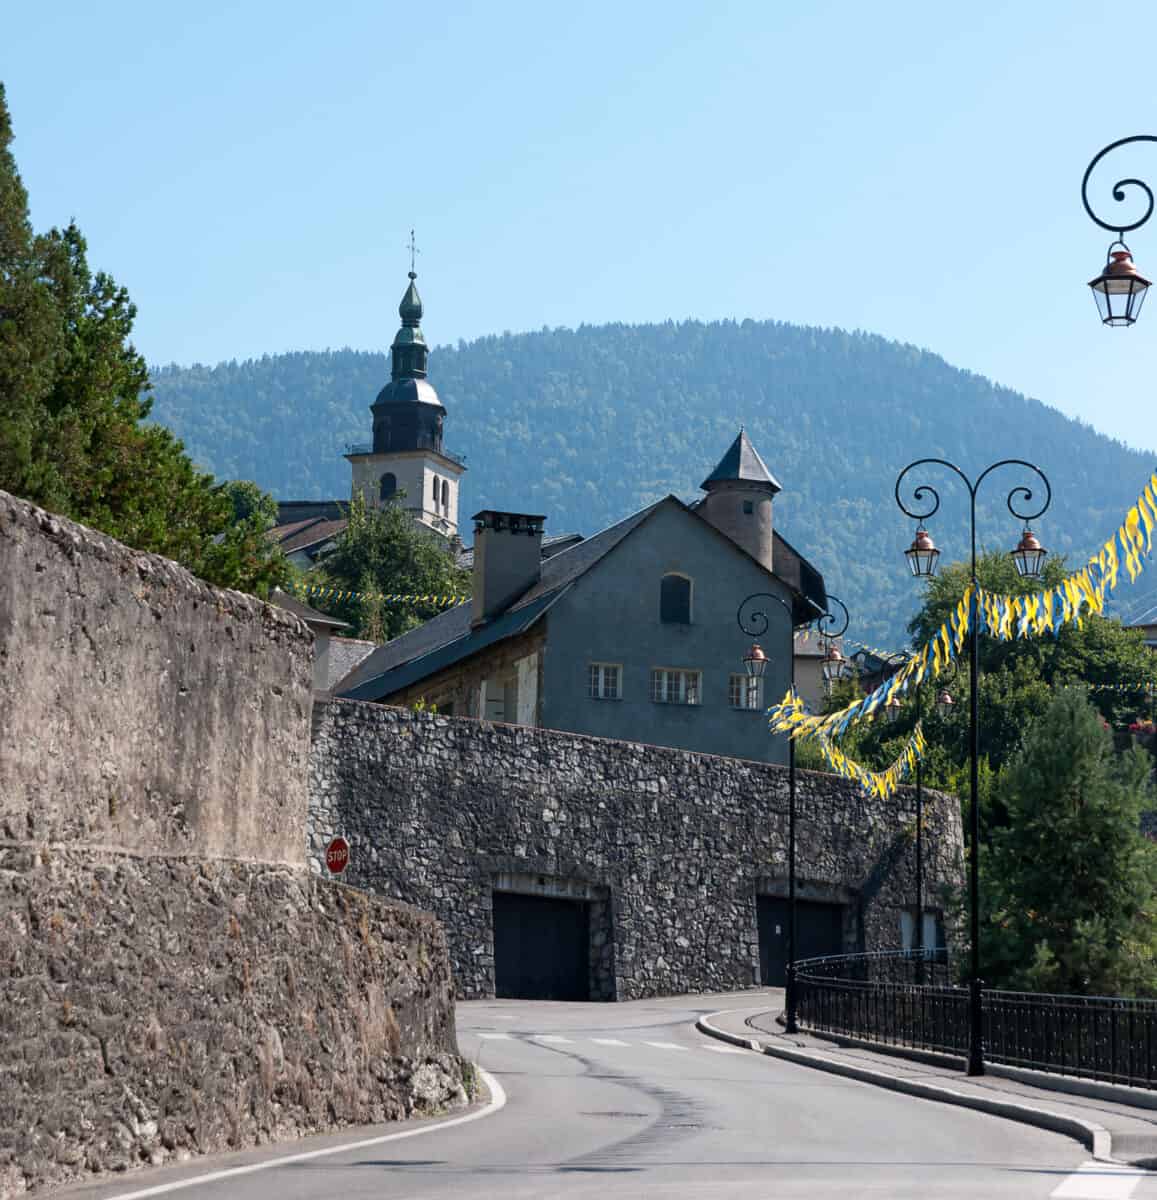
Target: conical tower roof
741, 463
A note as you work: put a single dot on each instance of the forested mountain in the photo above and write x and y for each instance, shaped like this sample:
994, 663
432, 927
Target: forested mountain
587, 425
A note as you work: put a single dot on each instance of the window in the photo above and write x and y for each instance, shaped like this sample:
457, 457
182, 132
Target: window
604, 681
675, 687
437, 493
675, 599
933, 930
748, 507
743, 692
389, 485
446, 495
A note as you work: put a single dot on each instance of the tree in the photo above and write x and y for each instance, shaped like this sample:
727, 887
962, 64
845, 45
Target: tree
251, 505
1069, 882
382, 551
74, 402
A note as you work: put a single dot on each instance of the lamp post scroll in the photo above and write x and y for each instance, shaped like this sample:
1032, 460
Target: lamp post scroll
1028, 558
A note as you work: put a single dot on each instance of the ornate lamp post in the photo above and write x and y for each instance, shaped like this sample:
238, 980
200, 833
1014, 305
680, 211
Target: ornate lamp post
1028, 560
1120, 288
755, 624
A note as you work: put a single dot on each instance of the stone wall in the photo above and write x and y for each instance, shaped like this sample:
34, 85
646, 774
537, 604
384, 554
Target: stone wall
143, 709
674, 846
152, 1008
173, 980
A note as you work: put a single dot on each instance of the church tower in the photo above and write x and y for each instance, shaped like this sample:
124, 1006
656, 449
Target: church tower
407, 454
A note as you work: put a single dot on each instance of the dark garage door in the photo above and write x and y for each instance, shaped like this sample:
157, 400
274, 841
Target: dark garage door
541, 947
819, 927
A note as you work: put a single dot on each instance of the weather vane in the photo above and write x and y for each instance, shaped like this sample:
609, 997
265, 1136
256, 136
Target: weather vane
412, 246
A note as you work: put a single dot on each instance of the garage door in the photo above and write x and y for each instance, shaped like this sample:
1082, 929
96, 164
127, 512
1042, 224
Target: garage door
541, 947
819, 927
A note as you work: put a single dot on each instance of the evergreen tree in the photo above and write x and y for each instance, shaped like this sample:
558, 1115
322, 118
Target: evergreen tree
73, 403
383, 551
1069, 883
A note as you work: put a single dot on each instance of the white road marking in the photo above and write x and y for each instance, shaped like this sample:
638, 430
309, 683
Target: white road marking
665, 1045
553, 1039
722, 1049
1099, 1181
496, 1037
497, 1101
607, 1042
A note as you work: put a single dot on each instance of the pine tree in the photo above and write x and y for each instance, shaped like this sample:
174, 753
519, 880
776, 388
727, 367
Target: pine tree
1069, 883
74, 402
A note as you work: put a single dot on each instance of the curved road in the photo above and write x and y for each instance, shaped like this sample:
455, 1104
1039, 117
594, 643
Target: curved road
629, 1100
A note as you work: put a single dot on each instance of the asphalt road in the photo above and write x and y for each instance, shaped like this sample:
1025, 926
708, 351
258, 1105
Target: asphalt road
629, 1100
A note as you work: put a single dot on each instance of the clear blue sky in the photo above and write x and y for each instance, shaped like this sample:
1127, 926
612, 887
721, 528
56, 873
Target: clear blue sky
251, 171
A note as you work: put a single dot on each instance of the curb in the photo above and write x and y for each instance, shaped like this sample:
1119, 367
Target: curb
1095, 1138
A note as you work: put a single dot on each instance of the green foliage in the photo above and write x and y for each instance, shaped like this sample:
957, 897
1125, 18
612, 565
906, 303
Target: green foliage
1068, 883
589, 424
382, 550
73, 399
251, 505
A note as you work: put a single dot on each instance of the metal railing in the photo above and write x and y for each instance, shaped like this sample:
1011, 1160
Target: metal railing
905, 998
368, 448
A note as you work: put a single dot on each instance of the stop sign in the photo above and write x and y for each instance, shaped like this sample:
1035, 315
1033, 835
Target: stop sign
337, 855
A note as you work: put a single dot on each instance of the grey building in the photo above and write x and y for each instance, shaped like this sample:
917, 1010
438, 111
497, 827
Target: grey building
630, 634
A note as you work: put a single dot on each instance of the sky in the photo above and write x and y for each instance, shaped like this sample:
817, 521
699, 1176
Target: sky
251, 171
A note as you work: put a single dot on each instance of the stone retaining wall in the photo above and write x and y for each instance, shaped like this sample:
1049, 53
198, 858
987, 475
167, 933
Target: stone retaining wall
671, 848
141, 708
155, 1008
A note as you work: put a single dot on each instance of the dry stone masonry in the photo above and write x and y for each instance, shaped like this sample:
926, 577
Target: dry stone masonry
670, 848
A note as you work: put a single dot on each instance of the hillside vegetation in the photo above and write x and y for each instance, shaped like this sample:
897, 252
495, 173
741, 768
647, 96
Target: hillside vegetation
587, 425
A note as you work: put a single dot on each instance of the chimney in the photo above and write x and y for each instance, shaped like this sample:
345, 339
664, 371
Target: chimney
507, 560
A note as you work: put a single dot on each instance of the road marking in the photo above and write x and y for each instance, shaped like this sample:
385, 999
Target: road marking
607, 1042
496, 1037
497, 1101
1099, 1181
553, 1039
665, 1045
722, 1049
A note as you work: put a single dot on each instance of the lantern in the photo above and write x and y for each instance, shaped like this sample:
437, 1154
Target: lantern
922, 554
755, 661
1119, 290
944, 702
833, 664
1029, 555
892, 710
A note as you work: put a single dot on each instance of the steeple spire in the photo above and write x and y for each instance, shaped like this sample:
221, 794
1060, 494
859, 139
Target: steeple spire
409, 352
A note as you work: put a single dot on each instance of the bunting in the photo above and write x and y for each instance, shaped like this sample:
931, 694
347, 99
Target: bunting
340, 595
1003, 617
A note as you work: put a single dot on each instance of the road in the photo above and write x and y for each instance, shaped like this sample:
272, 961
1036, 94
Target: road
629, 1101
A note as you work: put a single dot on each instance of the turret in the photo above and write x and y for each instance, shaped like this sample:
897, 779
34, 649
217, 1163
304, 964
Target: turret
739, 499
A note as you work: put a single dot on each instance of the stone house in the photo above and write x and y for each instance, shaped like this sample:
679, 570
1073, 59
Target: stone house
628, 634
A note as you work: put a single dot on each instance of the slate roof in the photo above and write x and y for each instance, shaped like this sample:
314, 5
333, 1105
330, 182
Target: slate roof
344, 655
551, 545
448, 638
299, 609
307, 534
450, 630
742, 462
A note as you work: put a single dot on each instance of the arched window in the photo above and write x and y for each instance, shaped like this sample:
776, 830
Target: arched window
389, 485
446, 495
437, 493
675, 599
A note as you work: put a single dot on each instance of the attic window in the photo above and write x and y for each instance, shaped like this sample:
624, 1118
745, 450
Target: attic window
675, 600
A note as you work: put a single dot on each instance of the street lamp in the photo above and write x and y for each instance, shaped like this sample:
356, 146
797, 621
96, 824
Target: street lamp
926, 497
1120, 288
755, 660
922, 555
833, 666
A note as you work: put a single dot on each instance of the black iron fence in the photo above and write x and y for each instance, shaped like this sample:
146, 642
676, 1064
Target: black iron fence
907, 998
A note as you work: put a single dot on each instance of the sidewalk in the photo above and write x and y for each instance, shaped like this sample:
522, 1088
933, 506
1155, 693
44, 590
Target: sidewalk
1113, 1123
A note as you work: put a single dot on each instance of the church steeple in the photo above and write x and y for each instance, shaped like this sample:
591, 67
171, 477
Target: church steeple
407, 455
409, 352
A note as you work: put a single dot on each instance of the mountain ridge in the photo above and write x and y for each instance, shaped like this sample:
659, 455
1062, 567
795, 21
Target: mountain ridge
590, 423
